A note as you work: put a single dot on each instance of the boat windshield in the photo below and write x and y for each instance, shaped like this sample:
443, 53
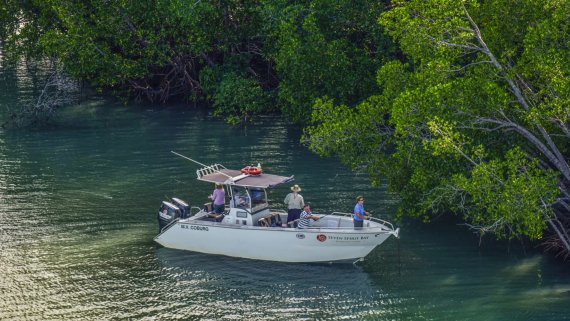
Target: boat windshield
240, 198
258, 198
250, 198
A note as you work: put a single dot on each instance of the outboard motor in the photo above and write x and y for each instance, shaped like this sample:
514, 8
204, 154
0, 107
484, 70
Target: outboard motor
167, 213
184, 208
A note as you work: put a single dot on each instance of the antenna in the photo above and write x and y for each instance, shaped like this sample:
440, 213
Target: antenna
197, 162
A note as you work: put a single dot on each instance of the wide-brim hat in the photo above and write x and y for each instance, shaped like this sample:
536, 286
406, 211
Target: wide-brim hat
295, 188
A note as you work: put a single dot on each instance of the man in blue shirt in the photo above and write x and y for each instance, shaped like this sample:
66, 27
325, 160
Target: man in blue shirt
359, 213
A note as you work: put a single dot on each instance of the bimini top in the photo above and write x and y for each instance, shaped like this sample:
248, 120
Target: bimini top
219, 174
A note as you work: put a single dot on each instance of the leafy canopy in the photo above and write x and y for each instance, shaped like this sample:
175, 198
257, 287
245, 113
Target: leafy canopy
471, 119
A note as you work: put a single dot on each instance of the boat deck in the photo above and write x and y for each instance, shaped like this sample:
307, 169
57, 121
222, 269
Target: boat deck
277, 220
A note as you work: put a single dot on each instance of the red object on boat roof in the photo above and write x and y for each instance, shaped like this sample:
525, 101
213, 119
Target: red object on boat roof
251, 170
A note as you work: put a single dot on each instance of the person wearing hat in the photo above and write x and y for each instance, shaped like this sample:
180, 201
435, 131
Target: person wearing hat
306, 215
295, 203
218, 199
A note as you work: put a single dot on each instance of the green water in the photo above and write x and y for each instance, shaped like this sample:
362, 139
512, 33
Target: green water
78, 204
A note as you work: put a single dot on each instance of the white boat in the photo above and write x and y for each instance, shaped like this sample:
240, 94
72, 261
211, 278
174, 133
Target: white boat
249, 229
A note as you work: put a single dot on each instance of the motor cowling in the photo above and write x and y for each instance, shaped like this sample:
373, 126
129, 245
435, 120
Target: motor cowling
167, 213
183, 206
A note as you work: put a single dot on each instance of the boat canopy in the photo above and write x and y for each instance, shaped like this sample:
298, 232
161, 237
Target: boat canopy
219, 174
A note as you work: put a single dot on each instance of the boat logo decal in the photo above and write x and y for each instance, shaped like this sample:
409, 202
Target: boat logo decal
321, 237
300, 236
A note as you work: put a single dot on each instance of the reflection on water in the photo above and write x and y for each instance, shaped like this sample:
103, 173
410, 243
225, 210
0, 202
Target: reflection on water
77, 220
271, 290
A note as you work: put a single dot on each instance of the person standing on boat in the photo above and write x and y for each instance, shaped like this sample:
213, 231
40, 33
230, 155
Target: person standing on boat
305, 216
218, 199
359, 213
295, 203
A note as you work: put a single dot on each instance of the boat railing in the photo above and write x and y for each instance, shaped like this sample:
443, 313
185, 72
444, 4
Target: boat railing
387, 224
195, 208
207, 170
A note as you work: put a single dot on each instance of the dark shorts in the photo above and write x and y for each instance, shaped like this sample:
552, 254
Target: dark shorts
219, 208
358, 224
293, 214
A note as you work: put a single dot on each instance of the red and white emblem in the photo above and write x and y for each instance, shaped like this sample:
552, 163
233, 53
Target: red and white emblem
321, 237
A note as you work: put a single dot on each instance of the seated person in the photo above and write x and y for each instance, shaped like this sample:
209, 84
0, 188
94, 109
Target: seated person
240, 199
306, 215
237, 201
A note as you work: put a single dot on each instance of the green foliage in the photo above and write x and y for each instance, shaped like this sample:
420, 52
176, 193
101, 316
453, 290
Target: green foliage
296, 51
151, 49
462, 139
325, 48
236, 96
238, 99
511, 195
350, 133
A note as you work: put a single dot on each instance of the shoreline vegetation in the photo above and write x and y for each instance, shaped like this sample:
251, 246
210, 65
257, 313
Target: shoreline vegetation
463, 106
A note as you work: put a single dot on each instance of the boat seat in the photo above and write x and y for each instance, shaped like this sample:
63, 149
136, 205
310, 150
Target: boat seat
272, 220
275, 220
263, 222
333, 223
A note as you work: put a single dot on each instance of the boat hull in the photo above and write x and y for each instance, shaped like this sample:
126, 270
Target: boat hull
273, 243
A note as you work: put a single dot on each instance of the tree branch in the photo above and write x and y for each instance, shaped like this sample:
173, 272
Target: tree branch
554, 154
471, 64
